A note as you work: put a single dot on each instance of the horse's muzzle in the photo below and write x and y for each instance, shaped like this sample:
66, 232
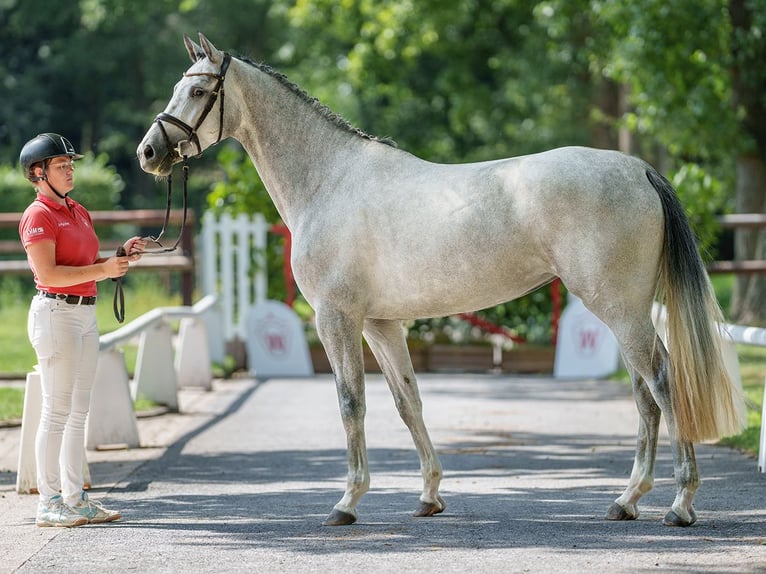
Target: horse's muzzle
155, 158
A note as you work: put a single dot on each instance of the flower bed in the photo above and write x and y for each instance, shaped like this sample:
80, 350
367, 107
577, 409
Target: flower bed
458, 358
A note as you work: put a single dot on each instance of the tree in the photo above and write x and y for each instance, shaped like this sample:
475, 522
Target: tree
748, 46
100, 70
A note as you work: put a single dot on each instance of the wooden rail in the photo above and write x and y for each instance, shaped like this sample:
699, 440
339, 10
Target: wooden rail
739, 220
181, 260
751, 221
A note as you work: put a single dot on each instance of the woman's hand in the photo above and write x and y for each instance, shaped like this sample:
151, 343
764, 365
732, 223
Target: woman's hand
115, 266
134, 247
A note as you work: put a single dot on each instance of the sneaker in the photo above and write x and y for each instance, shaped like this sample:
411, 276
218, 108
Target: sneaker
56, 513
93, 512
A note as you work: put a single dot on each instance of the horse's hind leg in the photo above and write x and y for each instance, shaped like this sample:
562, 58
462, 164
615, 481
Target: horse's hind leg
642, 475
388, 343
684, 460
650, 361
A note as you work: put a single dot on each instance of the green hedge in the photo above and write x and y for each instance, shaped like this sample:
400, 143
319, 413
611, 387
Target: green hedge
98, 186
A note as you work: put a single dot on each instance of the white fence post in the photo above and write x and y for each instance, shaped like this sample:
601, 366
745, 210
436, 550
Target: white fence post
111, 419
213, 319
762, 449
155, 376
259, 231
192, 361
26, 477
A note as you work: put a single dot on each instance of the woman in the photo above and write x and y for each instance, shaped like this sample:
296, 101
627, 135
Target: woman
62, 249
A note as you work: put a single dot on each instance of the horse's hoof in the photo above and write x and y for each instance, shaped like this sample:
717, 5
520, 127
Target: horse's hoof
339, 518
429, 509
617, 512
672, 519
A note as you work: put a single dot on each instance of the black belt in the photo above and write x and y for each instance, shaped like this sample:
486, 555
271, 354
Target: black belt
71, 299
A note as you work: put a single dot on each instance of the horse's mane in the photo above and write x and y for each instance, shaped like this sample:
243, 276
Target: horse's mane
315, 104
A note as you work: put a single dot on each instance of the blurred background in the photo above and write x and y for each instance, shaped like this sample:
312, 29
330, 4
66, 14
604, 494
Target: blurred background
682, 83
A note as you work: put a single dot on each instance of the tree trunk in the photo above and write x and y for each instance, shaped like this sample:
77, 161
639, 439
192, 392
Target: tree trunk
748, 302
749, 82
607, 101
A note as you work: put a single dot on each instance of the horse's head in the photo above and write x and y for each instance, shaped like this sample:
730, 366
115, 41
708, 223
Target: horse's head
185, 128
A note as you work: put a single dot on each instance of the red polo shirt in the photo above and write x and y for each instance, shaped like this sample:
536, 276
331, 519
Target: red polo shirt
71, 229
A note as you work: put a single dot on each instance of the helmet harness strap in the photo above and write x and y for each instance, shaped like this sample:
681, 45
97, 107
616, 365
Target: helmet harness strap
44, 177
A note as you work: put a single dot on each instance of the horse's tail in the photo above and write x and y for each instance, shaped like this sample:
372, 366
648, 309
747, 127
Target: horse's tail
706, 403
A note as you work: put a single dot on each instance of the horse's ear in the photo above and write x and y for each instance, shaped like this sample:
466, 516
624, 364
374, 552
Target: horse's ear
212, 53
195, 52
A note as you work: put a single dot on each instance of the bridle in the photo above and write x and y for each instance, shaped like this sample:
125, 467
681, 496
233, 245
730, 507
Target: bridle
191, 137
191, 132
175, 151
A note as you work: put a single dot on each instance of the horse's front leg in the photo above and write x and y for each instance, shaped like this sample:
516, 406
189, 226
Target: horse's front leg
341, 337
389, 345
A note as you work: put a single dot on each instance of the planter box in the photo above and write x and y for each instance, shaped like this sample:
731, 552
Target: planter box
457, 358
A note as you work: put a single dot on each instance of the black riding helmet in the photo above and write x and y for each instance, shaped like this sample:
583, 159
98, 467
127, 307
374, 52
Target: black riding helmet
42, 147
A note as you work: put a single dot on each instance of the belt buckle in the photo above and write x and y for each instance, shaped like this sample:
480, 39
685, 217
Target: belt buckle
61, 296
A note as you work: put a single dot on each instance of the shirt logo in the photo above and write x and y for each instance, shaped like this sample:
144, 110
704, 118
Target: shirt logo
63, 223
35, 230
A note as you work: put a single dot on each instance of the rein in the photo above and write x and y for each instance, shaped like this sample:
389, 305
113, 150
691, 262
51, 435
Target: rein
176, 154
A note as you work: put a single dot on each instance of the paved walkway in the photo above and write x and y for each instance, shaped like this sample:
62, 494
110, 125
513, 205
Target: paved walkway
243, 479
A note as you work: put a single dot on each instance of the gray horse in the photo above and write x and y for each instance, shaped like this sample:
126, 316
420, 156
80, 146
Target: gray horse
381, 236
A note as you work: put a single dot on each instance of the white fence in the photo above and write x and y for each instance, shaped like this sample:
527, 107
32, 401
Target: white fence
234, 266
757, 337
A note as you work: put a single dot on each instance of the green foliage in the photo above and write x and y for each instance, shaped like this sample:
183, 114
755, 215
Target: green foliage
529, 317
704, 196
241, 190
462, 69
100, 70
752, 364
675, 58
97, 185
18, 192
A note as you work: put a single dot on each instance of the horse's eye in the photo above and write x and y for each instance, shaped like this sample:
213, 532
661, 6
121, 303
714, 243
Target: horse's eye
197, 92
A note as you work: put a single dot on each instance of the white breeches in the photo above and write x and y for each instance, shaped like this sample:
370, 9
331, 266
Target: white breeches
65, 339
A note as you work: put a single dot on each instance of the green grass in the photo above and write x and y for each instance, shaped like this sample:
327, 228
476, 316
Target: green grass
752, 365
11, 403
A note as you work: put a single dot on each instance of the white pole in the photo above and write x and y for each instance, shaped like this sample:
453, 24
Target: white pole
260, 240
762, 449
